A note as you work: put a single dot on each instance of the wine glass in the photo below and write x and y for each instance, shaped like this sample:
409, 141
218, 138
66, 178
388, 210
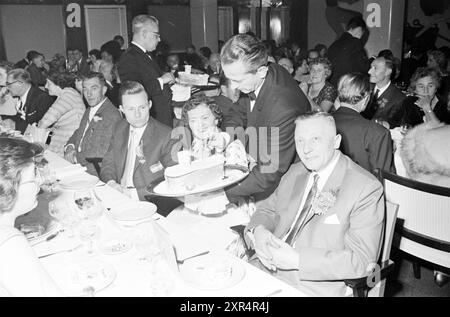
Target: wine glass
89, 232
65, 216
86, 202
48, 178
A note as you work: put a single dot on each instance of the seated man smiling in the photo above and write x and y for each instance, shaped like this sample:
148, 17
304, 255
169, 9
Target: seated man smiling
324, 221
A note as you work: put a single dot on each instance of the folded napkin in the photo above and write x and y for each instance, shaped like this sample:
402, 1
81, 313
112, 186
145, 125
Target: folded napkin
69, 171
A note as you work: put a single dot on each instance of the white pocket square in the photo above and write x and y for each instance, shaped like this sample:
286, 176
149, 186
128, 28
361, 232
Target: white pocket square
332, 220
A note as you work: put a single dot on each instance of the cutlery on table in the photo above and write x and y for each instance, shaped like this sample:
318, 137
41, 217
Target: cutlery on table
60, 251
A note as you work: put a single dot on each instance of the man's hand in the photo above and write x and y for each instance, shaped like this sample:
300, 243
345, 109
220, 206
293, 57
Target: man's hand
70, 155
114, 185
285, 257
265, 243
168, 78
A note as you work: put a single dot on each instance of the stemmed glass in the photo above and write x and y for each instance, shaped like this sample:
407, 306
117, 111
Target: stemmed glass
89, 232
48, 178
86, 202
65, 216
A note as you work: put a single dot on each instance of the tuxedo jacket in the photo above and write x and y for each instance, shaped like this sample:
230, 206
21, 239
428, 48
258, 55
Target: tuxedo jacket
135, 65
366, 142
386, 107
339, 244
96, 141
279, 102
347, 54
158, 148
36, 105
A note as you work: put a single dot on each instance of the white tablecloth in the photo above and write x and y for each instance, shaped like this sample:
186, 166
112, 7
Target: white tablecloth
132, 275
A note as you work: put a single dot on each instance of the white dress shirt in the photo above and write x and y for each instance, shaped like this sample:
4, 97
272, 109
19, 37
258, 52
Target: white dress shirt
324, 174
257, 90
382, 89
127, 178
92, 112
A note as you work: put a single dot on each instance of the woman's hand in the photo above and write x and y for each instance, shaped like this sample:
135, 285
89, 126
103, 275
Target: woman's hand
424, 103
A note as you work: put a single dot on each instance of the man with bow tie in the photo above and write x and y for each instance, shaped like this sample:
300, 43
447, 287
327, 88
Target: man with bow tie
324, 221
140, 149
91, 139
275, 101
32, 102
137, 64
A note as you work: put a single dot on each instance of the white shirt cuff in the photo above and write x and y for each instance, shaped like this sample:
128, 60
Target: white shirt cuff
161, 83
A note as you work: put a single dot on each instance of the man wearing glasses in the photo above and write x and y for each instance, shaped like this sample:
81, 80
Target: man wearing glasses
136, 64
32, 103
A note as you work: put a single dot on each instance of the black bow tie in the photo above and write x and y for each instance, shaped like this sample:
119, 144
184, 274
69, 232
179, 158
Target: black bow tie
149, 54
252, 96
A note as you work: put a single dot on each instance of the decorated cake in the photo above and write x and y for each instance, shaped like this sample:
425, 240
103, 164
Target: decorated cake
198, 173
193, 79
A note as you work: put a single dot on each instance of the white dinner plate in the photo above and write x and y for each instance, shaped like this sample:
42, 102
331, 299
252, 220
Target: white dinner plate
77, 278
233, 176
213, 271
133, 211
79, 182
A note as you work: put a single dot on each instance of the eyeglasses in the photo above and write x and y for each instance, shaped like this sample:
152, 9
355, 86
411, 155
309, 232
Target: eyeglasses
16, 81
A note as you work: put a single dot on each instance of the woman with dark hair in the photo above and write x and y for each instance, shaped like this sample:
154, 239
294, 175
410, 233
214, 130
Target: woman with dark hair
424, 105
320, 92
95, 57
21, 273
64, 116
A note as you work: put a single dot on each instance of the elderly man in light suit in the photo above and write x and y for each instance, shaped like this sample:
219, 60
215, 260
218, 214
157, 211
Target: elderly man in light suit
324, 222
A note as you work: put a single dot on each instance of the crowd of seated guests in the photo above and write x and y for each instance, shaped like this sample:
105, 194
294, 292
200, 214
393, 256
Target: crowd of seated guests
364, 106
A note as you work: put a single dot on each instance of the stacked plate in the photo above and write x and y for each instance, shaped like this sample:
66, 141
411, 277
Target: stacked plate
133, 211
79, 182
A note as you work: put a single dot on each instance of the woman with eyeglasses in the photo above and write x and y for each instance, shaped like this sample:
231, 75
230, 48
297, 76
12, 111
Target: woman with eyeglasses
21, 273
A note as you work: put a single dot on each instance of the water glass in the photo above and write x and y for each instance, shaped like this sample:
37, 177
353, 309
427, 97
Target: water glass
86, 202
89, 233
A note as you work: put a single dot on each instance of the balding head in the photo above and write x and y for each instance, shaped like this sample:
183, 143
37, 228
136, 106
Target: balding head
316, 140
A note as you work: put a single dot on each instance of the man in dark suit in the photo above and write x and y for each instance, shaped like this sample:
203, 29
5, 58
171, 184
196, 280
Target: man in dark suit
347, 54
136, 64
366, 142
386, 100
23, 63
141, 147
76, 62
91, 139
276, 102
33, 103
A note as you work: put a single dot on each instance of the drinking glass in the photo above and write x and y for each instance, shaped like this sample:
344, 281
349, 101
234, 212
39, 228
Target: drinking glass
89, 232
68, 219
86, 202
48, 178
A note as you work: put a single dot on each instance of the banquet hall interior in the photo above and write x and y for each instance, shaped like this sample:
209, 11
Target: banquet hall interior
109, 89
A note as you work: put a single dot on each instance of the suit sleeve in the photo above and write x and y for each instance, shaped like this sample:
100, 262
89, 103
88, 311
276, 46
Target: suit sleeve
108, 171
236, 116
129, 69
362, 241
267, 173
77, 134
360, 59
381, 152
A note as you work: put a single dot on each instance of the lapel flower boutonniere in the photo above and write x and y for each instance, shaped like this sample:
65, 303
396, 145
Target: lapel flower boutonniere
324, 201
97, 119
140, 152
383, 103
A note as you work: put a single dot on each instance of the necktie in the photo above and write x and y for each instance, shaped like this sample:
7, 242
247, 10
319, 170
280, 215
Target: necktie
297, 226
127, 177
149, 54
376, 94
252, 96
